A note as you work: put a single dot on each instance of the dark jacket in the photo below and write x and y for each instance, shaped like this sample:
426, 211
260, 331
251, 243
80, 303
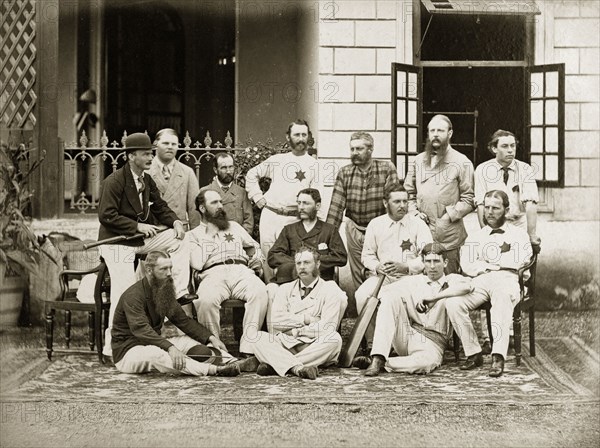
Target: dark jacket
120, 210
323, 237
137, 322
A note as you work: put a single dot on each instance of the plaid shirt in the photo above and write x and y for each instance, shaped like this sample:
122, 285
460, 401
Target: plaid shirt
360, 193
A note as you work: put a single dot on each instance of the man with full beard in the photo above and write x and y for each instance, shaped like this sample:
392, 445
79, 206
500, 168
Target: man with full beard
306, 315
289, 172
492, 256
358, 191
236, 204
440, 188
137, 343
226, 256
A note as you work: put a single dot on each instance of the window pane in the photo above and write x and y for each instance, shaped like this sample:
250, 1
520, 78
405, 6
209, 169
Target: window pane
401, 112
401, 165
401, 86
551, 168
537, 112
551, 140
537, 140
537, 85
412, 112
412, 140
412, 85
551, 84
552, 112
537, 163
401, 140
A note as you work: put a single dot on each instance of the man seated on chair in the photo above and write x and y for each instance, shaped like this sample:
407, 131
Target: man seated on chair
130, 204
412, 318
306, 314
392, 246
138, 345
492, 257
309, 231
227, 258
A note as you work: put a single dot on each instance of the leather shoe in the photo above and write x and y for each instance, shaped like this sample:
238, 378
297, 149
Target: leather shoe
265, 369
231, 369
362, 362
376, 366
308, 373
187, 299
497, 365
108, 360
248, 364
486, 348
473, 362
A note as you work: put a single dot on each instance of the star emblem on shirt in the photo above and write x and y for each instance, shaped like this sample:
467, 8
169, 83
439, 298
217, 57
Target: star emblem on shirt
505, 247
406, 245
300, 175
229, 237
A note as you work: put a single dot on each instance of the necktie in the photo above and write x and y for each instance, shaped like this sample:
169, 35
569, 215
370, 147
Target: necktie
306, 291
225, 188
165, 172
496, 231
142, 184
505, 175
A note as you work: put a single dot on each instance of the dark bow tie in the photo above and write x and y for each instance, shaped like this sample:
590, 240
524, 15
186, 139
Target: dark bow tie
496, 231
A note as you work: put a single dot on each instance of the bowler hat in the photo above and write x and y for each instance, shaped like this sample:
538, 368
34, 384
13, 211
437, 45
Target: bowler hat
136, 141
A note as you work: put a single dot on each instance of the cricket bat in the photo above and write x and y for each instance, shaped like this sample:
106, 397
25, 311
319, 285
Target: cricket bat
360, 327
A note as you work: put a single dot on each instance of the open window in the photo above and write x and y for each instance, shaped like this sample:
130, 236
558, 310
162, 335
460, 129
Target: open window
545, 136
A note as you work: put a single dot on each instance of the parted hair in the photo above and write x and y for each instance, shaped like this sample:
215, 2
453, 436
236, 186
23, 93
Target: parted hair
165, 131
499, 194
219, 156
313, 193
493, 143
300, 122
316, 255
390, 188
201, 198
153, 257
433, 248
368, 138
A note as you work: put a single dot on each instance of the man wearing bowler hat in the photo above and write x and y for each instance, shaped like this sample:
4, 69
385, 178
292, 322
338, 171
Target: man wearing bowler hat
130, 204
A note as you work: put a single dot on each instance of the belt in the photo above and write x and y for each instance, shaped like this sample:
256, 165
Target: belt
282, 211
229, 261
360, 228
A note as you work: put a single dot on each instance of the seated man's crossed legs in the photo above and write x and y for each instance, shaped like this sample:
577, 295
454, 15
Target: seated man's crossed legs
232, 282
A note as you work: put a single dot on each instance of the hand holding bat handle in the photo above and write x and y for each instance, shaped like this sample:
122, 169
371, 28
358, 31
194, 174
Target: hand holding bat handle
118, 239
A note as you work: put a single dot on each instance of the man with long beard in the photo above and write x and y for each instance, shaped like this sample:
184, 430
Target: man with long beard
440, 189
492, 256
236, 204
306, 315
226, 256
138, 345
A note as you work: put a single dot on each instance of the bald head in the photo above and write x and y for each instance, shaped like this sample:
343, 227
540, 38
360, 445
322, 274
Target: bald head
439, 131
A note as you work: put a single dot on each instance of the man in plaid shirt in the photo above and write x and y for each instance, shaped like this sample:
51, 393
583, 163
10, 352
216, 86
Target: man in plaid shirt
358, 190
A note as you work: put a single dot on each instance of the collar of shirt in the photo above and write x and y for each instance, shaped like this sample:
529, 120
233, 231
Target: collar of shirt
402, 222
504, 227
311, 285
137, 180
439, 282
510, 167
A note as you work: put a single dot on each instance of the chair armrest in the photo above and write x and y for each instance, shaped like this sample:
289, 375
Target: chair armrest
521, 272
64, 275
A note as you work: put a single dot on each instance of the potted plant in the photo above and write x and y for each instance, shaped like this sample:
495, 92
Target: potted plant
19, 248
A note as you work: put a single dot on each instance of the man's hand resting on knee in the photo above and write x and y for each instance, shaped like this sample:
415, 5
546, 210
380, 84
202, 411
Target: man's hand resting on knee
177, 357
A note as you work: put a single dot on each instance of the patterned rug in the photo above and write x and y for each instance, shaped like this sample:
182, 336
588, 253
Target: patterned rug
80, 378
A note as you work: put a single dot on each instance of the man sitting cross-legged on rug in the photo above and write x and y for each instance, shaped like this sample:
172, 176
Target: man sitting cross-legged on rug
137, 343
412, 318
227, 257
492, 257
306, 314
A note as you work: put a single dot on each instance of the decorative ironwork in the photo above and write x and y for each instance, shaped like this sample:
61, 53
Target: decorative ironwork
17, 57
87, 163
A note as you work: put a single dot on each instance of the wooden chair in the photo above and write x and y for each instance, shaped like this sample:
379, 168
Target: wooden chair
97, 311
526, 303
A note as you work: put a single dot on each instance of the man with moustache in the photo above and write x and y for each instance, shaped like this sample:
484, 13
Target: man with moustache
440, 188
176, 181
358, 191
130, 204
138, 345
289, 173
309, 231
306, 313
393, 242
413, 321
226, 256
236, 204
492, 256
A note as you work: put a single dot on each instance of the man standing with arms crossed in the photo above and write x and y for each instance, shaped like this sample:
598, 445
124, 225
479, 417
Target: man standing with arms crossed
440, 189
358, 191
